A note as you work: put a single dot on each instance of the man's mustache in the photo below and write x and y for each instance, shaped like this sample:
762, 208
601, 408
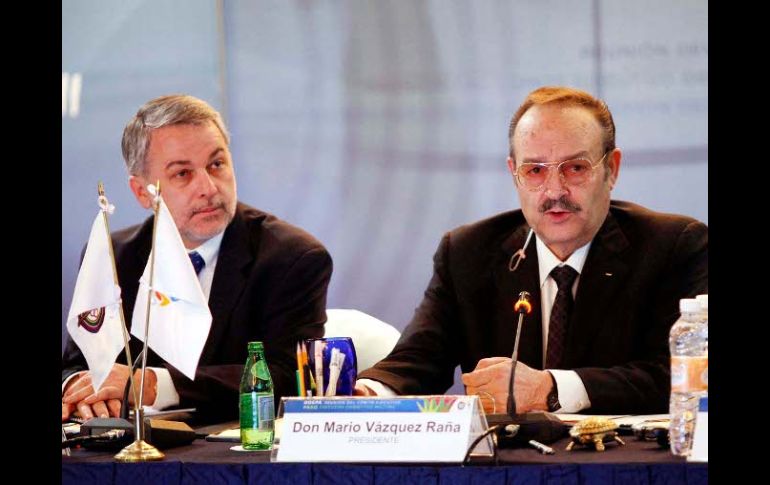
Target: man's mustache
218, 204
562, 203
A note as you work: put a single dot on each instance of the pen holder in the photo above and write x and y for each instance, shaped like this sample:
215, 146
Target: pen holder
337, 367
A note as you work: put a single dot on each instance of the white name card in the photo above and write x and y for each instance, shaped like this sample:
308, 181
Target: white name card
700, 443
367, 429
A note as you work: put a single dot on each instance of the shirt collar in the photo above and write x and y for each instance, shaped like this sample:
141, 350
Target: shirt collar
547, 261
210, 248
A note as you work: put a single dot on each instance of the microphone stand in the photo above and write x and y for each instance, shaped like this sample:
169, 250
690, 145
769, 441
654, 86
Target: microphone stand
522, 307
540, 426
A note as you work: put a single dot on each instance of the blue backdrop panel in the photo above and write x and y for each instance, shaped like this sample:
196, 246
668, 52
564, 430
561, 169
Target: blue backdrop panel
379, 125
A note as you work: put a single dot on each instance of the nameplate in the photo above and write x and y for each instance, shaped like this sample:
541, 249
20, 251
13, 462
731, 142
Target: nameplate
700, 441
366, 429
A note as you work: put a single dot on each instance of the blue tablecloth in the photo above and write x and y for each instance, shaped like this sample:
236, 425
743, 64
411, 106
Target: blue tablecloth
212, 463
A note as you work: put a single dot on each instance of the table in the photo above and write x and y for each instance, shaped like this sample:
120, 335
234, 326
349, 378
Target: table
638, 462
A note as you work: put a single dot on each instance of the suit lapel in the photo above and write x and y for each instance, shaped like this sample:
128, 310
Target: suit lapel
510, 284
604, 274
229, 281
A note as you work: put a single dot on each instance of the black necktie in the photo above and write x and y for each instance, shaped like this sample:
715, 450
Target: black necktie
562, 307
197, 261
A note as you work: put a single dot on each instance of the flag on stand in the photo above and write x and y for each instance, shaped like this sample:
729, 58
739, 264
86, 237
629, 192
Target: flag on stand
94, 317
180, 318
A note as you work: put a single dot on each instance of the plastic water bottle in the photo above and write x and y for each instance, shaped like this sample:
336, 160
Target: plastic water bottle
704, 310
688, 343
704, 303
257, 411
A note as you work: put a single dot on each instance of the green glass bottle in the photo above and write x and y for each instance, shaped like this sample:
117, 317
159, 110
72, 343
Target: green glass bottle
257, 409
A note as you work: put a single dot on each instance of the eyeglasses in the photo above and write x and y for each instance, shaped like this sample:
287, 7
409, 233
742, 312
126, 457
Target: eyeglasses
571, 172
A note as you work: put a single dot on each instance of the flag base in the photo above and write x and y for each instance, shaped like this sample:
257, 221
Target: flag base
139, 451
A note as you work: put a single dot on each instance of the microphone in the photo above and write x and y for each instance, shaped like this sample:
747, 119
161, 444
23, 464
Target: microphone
124, 408
523, 306
539, 426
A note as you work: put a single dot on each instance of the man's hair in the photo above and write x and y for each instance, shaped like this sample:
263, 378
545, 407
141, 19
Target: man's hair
174, 109
567, 96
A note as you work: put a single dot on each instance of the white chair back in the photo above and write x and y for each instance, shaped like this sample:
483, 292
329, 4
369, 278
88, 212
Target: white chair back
373, 338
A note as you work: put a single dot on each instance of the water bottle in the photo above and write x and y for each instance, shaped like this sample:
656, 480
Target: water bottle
257, 411
688, 342
704, 311
704, 304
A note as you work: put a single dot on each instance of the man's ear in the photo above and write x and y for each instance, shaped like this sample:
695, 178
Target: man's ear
139, 188
512, 169
614, 166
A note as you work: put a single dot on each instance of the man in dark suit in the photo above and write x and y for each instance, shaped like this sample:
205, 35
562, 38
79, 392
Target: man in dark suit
265, 279
605, 278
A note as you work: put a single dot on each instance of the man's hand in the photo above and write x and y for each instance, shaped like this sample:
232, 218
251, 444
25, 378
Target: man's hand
491, 376
362, 390
79, 394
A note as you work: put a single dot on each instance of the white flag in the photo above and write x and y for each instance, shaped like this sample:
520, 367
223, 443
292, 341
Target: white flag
94, 318
180, 319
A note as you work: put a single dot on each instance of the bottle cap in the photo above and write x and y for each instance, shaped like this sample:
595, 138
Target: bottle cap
689, 305
703, 300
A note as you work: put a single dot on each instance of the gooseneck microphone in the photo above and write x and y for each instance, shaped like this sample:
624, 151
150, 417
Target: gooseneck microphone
124, 404
523, 306
538, 426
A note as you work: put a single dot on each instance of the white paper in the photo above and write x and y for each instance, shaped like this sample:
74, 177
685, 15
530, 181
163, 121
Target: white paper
700, 445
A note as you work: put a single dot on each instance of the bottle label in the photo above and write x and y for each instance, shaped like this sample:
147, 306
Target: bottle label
689, 374
257, 411
265, 404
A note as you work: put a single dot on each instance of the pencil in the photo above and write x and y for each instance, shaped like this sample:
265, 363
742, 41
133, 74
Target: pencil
305, 368
300, 372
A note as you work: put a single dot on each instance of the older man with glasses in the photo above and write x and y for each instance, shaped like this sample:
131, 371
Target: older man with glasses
605, 278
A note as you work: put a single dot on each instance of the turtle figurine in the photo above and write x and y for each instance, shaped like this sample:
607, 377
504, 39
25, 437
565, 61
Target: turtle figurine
596, 430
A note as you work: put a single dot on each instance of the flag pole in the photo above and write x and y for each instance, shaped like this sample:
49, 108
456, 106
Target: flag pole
106, 208
140, 450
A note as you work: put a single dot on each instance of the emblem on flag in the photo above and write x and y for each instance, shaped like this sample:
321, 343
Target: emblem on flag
91, 320
162, 299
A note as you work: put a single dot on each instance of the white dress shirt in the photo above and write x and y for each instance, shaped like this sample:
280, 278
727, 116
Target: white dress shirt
572, 392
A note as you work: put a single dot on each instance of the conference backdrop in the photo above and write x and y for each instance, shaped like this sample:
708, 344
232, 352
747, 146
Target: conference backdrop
378, 125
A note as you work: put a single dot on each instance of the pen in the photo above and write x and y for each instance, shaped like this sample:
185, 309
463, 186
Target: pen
312, 384
546, 450
318, 355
